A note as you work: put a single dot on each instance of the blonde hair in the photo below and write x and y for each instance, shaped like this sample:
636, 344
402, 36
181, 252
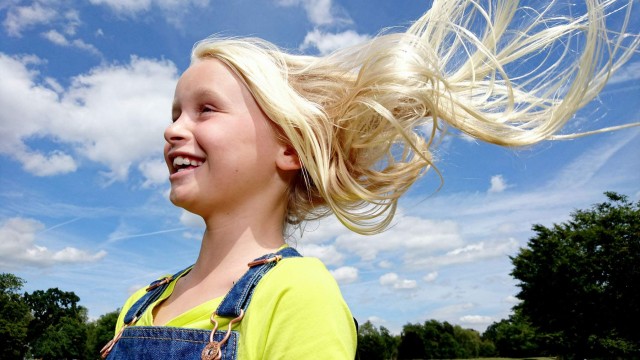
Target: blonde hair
362, 119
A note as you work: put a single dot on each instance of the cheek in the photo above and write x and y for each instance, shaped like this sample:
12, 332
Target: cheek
167, 147
266, 136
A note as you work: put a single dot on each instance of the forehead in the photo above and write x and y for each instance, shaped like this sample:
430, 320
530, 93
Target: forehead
210, 76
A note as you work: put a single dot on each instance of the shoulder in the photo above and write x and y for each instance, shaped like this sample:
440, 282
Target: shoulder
298, 270
127, 305
133, 298
299, 277
298, 300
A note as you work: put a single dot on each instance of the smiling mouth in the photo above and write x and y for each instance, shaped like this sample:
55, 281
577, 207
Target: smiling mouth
182, 163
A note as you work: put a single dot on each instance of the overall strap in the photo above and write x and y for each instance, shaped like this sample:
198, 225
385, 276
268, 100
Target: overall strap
233, 304
238, 298
154, 290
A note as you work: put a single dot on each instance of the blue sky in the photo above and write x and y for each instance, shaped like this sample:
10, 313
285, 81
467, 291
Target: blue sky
86, 93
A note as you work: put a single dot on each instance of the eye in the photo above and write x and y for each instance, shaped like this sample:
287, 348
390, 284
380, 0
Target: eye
207, 108
175, 115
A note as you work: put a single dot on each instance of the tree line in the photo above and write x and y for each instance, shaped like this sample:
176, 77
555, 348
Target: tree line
51, 325
579, 298
48, 324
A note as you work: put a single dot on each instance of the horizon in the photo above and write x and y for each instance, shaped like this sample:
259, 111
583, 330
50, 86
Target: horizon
86, 96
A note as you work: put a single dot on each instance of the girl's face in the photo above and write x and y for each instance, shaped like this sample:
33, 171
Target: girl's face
221, 149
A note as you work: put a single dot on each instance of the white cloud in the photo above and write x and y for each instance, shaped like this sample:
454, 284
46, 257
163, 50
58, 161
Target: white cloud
476, 320
173, 10
469, 253
20, 18
629, 72
122, 231
326, 253
54, 163
498, 220
125, 6
326, 42
385, 264
394, 281
345, 274
320, 12
113, 115
450, 311
192, 235
405, 284
18, 247
498, 184
155, 172
61, 40
466, 138
73, 21
56, 38
388, 279
135, 287
54, 85
191, 220
319, 231
48, 14
582, 169
431, 277
414, 236
377, 320
512, 299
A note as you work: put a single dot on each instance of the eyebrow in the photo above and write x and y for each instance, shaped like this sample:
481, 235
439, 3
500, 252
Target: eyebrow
208, 93
203, 93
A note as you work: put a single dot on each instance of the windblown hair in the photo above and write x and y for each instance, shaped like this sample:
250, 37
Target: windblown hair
362, 120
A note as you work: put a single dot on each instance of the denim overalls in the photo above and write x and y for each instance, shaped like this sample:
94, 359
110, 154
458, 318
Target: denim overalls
162, 342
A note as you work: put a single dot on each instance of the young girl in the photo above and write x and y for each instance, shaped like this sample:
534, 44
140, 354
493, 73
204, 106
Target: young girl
262, 140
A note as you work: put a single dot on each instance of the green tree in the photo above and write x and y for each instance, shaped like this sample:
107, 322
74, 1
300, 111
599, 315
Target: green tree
391, 343
99, 333
412, 344
58, 328
436, 340
370, 344
374, 344
579, 281
14, 318
514, 337
439, 340
468, 342
487, 349
63, 340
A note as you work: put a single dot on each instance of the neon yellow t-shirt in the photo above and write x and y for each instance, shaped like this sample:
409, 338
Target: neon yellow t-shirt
296, 312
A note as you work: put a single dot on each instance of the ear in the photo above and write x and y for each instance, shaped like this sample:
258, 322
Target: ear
287, 158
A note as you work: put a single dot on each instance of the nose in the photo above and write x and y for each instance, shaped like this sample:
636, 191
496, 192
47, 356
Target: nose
177, 131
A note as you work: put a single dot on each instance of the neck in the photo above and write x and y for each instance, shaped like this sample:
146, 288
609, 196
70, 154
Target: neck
227, 247
237, 233
231, 241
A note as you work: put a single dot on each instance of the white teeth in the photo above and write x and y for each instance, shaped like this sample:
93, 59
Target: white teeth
180, 161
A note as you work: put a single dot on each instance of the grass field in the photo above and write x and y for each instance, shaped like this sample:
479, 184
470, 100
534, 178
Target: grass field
534, 358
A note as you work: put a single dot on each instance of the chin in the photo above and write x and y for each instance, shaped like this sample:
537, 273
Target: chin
186, 203
179, 200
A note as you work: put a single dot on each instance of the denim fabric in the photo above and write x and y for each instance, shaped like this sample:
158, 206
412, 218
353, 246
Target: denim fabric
161, 342
154, 291
240, 295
